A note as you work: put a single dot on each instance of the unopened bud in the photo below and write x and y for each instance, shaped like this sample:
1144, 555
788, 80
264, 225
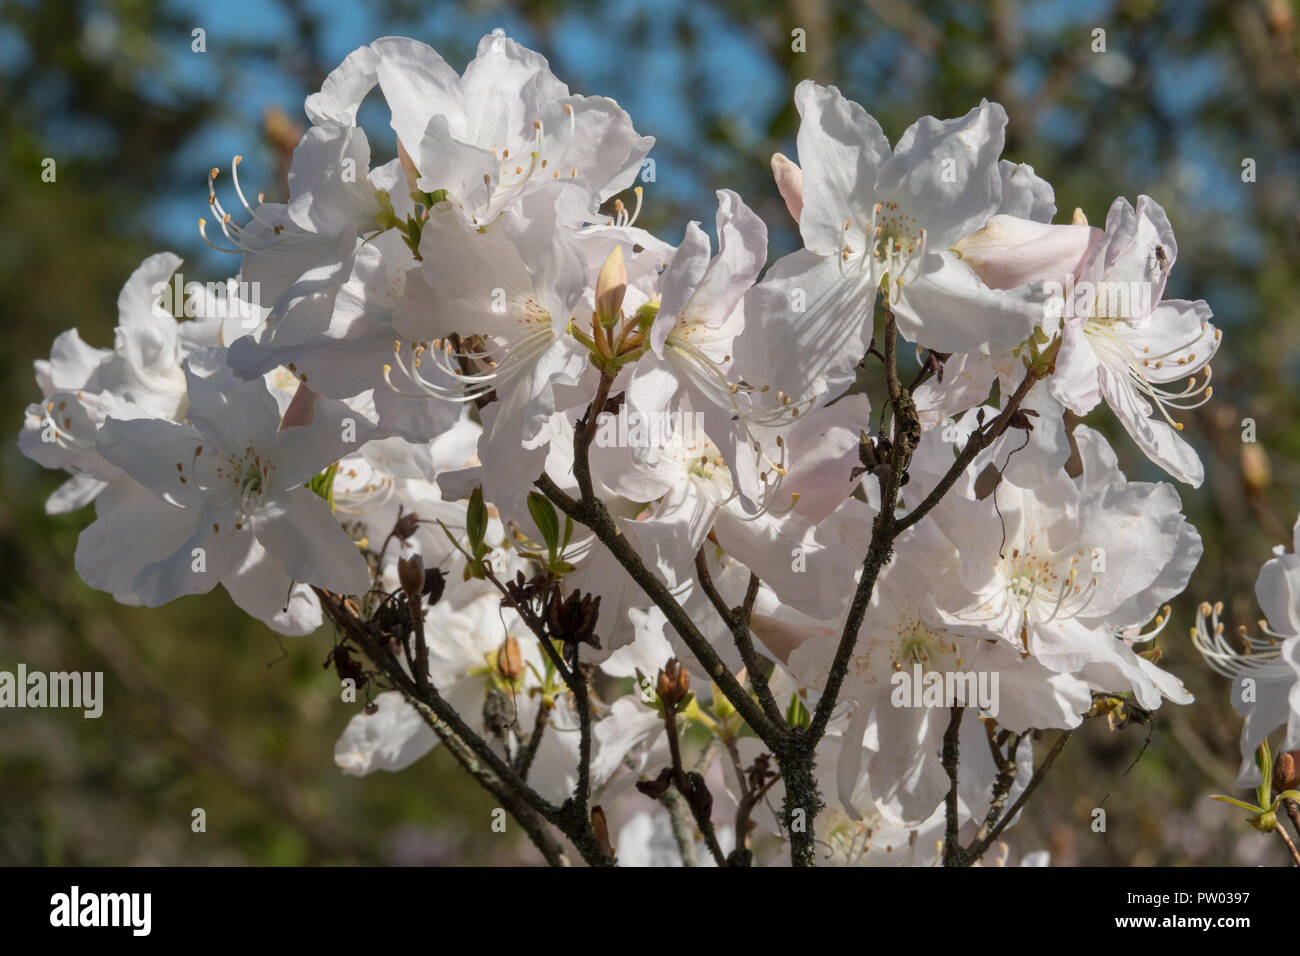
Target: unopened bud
674, 682
406, 525
408, 167
1255, 472
410, 574
611, 286
600, 827
510, 660
789, 183
1285, 770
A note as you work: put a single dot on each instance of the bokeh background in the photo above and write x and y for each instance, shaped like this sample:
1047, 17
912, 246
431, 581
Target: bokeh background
204, 708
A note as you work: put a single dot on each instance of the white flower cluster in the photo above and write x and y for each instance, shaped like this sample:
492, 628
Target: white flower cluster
442, 324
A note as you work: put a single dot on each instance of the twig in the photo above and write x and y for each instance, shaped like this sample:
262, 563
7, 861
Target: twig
738, 623
884, 530
1281, 832
524, 760
574, 680
953, 854
473, 752
1006, 764
978, 441
978, 849
1292, 811
595, 517
688, 789
679, 814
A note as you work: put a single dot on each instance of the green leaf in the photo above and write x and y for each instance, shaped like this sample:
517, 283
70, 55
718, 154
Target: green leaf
1235, 803
547, 521
476, 523
796, 715
323, 484
1264, 760
386, 218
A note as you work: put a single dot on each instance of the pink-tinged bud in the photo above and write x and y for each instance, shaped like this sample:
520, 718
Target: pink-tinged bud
611, 286
1010, 252
1286, 770
510, 659
301, 410
408, 167
674, 682
789, 182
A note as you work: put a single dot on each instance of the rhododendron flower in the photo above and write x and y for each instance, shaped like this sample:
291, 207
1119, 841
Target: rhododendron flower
1129, 344
229, 480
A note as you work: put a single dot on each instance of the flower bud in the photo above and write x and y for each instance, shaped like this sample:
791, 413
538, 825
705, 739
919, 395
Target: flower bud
510, 660
406, 525
408, 167
1285, 769
1009, 251
674, 682
301, 410
1256, 475
789, 183
611, 286
410, 574
600, 827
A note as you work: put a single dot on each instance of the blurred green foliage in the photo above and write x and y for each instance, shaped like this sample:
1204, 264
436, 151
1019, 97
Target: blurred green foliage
202, 708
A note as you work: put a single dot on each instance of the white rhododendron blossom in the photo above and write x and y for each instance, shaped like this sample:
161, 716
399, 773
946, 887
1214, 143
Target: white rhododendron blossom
674, 548
1264, 669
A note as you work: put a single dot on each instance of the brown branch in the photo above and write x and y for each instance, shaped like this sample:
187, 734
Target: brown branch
694, 790
472, 752
737, 620
1281, 832
953, 854
978, 849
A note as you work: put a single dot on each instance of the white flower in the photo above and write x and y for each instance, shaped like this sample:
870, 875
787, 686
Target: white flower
509, 292
347, 356
1129, 345
1071, 570
696, 330
488, 137
875, 218
1008, 252
1266, 672
227, 481
140, 377
900, 633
